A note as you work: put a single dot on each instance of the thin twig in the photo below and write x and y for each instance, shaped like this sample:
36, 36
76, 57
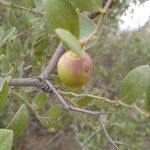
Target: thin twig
122, 143
98, 130
107, 135
105, 10
88, 95
99, 27
91, 136
113, 102
93, 113
81, 115
31, 108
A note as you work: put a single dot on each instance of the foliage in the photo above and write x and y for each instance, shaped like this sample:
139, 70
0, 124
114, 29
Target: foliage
135, 83
19, 122
26, 46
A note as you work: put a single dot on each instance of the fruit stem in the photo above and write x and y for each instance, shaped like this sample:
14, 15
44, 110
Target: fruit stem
99, 27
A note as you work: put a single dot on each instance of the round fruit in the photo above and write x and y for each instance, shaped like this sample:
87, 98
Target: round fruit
74, 70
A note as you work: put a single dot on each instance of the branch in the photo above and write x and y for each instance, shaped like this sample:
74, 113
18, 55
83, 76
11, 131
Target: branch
45, 74
60, 98
53, 62
67, 106
24, 82
104, 99
37, 83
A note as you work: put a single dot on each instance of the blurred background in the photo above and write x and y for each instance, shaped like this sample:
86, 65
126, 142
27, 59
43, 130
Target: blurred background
124, 44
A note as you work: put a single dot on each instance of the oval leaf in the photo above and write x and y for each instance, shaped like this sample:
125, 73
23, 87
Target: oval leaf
87, 27
135, 84
6, 139
20, 121
5, 65
90, 5
61, 14
55, 111
40, 99
4, 89
69, 40
13, 51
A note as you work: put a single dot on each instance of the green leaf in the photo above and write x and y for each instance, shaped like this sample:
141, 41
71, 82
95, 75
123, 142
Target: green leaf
7, 35
148, 98
4, 89
5, 65
6, 139
40, 47
55, 111
61, 14
50, 123
87, 27
53, 120
135, 84
88, 5
69, 40
40, 99
13, 51
20, 121
84, 101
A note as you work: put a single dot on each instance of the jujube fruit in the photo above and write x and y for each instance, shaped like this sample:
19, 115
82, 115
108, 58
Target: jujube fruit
74, 70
